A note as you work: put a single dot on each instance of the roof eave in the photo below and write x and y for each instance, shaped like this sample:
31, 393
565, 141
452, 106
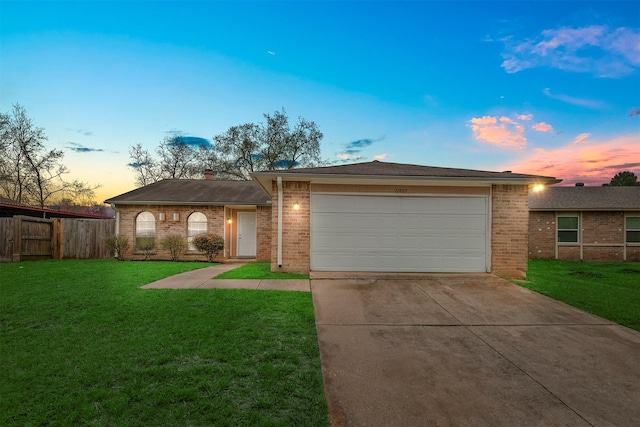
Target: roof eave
173, 203
265, 179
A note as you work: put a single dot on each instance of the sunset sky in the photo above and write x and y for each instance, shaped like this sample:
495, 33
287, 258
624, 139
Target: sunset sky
550, 88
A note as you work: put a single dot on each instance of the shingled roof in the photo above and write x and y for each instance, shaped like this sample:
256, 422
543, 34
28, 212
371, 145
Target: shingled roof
376, 170
585, 198
195, 192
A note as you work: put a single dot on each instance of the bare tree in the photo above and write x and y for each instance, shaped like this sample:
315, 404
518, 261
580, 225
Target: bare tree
147, 171
235, 153
175, 159
29, 172
274, 145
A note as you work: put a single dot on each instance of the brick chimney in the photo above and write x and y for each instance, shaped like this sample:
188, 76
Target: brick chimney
208, 174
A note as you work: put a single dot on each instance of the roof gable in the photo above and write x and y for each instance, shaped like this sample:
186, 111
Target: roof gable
585, 198
195, 192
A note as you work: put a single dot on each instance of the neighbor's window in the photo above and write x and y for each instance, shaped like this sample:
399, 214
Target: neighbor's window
633, 229
145, 227
196, 224
568, 229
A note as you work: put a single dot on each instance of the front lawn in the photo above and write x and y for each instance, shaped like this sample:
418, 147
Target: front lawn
258, 270
607, 289
81, 344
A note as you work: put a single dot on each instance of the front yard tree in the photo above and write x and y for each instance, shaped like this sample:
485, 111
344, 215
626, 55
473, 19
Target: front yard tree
624, 179
272, 145
31, 173
235, 152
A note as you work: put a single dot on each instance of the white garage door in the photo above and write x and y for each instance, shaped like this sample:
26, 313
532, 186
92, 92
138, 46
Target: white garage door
398, 233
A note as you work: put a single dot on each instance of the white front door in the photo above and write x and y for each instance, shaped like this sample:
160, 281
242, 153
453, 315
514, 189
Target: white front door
246, 234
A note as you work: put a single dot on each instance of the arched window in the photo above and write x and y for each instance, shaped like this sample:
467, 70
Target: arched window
196, 224
145, 227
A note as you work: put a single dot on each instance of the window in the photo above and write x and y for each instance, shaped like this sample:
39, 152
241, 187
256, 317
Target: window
145, 227
196, 224
633, 229
568, 229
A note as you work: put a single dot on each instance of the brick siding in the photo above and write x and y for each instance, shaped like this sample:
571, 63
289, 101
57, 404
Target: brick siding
569, 252
633, 253
263, 230
296, 251
542, 235
215, 224
128, 214
510, 230
602, 238
602, 227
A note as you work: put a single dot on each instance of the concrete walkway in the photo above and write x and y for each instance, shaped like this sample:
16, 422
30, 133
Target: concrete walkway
469, 350
202, 279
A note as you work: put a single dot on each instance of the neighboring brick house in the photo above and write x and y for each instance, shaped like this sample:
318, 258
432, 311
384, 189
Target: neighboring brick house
585, 223
390, 217
239, 211
374, 216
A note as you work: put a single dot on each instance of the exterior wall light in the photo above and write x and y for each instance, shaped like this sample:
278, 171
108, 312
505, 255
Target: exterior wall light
229, 221
296, 206
538, 188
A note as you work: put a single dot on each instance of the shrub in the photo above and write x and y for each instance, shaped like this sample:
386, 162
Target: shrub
118, 244
146, 244
175, 244
209, 244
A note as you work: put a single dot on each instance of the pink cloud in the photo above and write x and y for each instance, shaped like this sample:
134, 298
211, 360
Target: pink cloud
580, 138
380, 156
593, 163
542, 127
502, 131
525, 117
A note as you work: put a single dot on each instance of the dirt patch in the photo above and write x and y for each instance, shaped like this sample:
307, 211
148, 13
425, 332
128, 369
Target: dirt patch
587, 274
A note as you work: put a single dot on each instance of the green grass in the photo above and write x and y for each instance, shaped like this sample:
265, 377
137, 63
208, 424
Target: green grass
258, 270
81, 344
606, 289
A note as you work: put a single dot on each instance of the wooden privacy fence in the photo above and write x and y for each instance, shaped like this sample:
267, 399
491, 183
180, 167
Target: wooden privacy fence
24, 238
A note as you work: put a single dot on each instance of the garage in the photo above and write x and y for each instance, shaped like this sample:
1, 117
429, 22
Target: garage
399, 233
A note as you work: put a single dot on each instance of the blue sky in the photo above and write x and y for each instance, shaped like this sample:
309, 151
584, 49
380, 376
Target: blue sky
535, 87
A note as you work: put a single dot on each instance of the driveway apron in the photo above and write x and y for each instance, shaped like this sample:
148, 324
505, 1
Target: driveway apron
470, 350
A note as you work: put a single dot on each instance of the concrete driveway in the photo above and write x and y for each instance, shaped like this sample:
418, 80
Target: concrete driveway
470, 350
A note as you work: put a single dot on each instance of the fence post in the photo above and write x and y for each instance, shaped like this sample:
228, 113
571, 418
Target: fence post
57, 238
17, 239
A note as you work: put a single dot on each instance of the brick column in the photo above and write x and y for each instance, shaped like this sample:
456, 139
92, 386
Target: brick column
295, 227
510, 230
